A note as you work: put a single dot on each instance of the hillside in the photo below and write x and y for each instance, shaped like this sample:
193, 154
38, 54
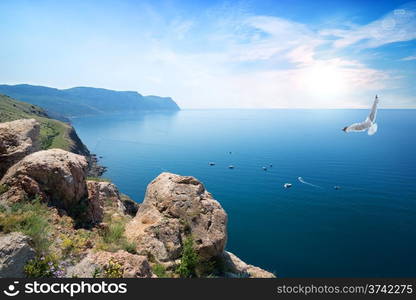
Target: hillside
80, 101
53, 133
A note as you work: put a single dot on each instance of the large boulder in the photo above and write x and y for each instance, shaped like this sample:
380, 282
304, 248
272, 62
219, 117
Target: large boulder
57, 176
95, 264
17, 139
175, 207
235, 267
103, 197
15, 251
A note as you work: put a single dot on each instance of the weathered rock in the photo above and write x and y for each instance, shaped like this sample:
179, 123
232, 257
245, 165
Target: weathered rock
133, 266
15, 251
17, 139
176, 206
237, 268
55, 175
131, 206
102, 196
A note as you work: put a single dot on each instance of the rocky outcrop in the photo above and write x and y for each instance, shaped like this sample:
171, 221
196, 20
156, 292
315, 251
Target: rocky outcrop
15, 251
17, 139
237, 268
95, 264
174, 207
103, 196
57, 176
131, 206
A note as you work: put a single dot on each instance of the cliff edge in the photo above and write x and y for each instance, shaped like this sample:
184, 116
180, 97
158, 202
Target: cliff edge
54, 222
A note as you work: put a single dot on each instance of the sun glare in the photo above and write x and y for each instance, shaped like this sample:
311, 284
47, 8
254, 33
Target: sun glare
324, 80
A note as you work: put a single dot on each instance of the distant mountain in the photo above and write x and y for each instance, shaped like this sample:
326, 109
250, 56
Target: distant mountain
80, 101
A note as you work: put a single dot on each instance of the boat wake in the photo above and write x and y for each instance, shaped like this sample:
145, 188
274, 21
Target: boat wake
304, 182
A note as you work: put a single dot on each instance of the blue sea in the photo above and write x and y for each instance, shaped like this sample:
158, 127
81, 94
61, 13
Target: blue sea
366, 228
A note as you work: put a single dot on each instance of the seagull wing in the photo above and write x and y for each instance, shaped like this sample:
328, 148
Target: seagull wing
372, 116
363, 126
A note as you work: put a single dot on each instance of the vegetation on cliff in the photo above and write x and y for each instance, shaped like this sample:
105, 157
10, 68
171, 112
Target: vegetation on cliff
69, 226
53, 133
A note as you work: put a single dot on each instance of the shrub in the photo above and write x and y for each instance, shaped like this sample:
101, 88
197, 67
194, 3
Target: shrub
30, 218
159, 270
114, 233
130, 247
113, 269
96, 273
41, 267
189, 260
72, 244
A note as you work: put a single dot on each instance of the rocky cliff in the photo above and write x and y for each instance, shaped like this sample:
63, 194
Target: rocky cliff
54, 222
53, 133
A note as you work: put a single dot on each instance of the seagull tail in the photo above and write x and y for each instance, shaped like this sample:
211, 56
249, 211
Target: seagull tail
373, 129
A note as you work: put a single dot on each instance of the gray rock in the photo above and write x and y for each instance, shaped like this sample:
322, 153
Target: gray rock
17, 139
131, 265
237, 268
56, 175
102, 196
175, 207
15, 251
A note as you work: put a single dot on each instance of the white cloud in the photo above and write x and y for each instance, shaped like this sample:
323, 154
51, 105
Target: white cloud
412, 57
226, 58
396, 26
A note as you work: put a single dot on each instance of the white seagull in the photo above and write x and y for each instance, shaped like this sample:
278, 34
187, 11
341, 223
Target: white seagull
369, 123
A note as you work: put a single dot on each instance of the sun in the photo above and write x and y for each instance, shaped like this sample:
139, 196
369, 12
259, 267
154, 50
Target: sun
324, 80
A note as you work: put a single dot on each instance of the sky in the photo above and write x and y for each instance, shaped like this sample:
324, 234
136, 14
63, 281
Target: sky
218, 54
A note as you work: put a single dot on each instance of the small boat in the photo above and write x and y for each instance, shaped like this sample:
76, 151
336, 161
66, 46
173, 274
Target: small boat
230, 167
337, 187
271, 165
264, 168
287, 185
211, 163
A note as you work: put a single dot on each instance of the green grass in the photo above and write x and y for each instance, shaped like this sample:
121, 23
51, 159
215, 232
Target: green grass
30, 218
98, 179
160, 271
53, 133
113, 238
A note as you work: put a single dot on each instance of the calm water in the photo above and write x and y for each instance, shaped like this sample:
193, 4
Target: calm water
367, 228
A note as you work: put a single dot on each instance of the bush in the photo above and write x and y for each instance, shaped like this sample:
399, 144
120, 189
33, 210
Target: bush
159, 270
113, 269
30, 218
42, 267
72, 245
114, 233
189, 260
113, 238
130, 247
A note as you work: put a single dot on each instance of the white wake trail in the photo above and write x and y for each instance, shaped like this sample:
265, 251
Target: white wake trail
304, 182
